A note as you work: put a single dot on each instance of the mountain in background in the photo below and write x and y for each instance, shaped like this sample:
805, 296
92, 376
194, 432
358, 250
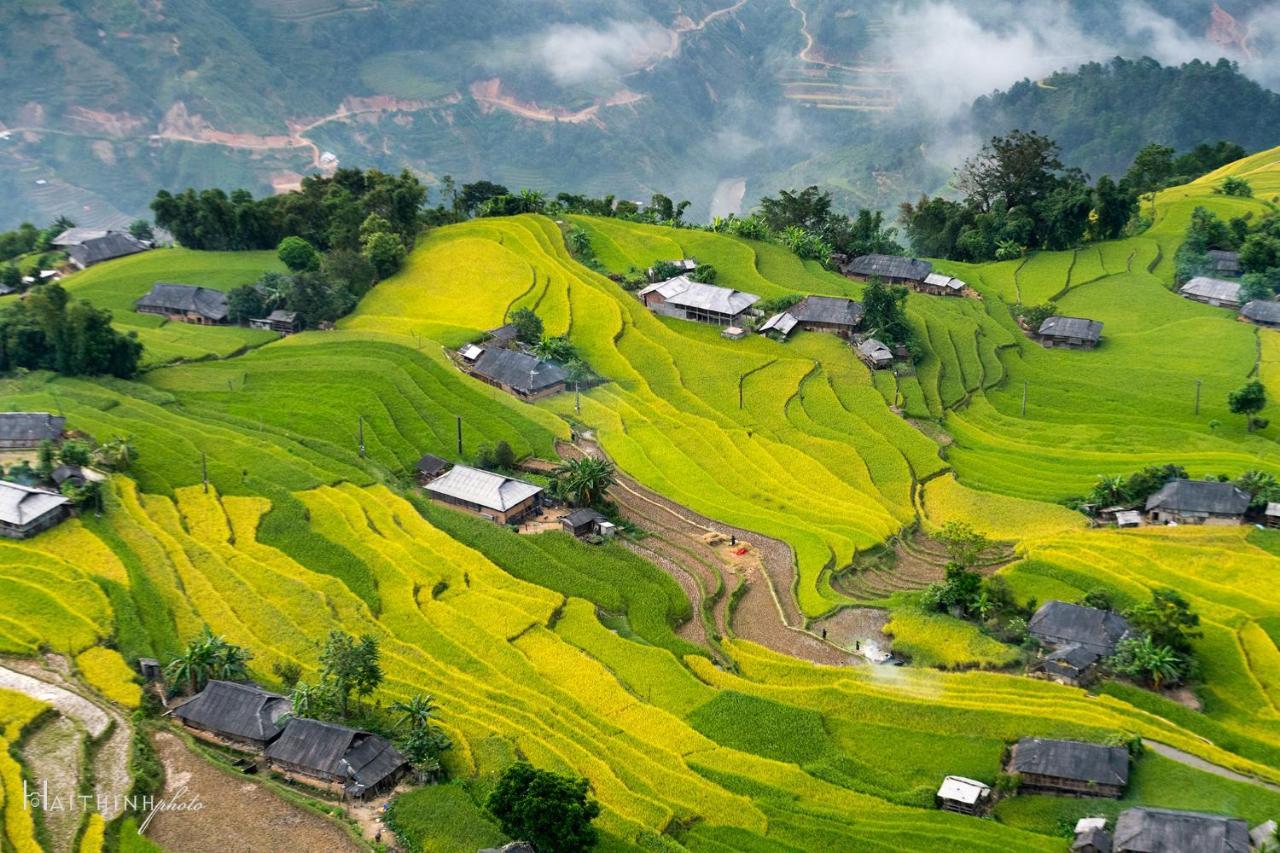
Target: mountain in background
717, 101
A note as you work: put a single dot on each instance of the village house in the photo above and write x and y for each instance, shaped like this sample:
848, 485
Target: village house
284, 322
833, 314
77, 236
515, 372
587, 522
1070, 332
185, 303
503, 499
1212, 291
683, 298
1070, 767
1224, 263
780, 324
891, 269
1272, 514
1264, 313
241, 713
429, 467
76, 475
683, 266
963, 795
359, 763
1091, 836
1147, 830
875, 354
105, 247
941, 284
26, 510
503, 336
28, 430
1077, 637
1198, 502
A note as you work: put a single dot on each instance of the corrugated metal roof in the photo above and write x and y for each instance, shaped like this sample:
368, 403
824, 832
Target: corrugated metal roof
960, 789
1171, 830
185, 298
31, 426
875, 350
242, 710
937, 279
21, 505
1212, 288
1200, 496
484, 488
782, 323
889, 266
1072, 327
831, 310
684, 292
1260, 311
1071, 759
76, 236
517, 370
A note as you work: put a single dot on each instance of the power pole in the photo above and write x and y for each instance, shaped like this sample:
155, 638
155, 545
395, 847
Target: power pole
577, 396
360, 433
204, 470
459, 417
1198, 396
739, 392
1024, 398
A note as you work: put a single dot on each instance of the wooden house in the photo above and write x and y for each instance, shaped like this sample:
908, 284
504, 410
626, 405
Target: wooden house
833, 314
1147, 830
586, 522
1198, 502
876, 355
430, 467
941, 284
241, 713
1070, 333
106, 246
1224, 264
359, 763
1077, 637
891, 269
28, 430
284, 322
963, 795
1264, 313
1272, 514
503, 499
185, 303
27, 510
518, 373
1070, 767
686, 299
1212, 291
1091, 836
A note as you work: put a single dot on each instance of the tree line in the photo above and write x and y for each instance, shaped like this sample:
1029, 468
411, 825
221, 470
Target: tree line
1257, 240
49, 331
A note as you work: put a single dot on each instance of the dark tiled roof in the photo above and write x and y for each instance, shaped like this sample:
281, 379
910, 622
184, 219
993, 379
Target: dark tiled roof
1071, 658
431, 464
1260, 311
1200, 496
579, 517
831, 310
114, 244
1093, 839
1224, 262
508, 367
31, 426
1058, 623
1145, 830
185, 298
360, 759
241, 710
503, 333
1071, 759
889, 266
1072, 327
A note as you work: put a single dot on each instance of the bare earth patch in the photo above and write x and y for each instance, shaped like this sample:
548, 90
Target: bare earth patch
52, 755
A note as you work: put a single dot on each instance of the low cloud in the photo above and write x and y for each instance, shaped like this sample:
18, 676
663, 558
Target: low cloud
575, 54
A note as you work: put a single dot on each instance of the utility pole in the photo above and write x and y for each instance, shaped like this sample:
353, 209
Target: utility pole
1198, 396
739, 392
577, 396
204, 470
1024, 398
459, 418
360, 433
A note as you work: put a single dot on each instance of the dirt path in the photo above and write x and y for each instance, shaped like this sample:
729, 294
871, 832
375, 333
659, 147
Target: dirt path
703, 555
51, 755
237, 815
49, 683
1200, 764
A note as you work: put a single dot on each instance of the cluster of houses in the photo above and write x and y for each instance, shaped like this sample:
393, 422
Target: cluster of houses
204, 306
354, 763
500, 498
1075, 639
1221, 290
1181, 502
1079, 769
25, 510
909, 272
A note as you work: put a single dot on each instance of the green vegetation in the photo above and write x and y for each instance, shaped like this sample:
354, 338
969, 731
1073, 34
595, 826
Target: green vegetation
550, 811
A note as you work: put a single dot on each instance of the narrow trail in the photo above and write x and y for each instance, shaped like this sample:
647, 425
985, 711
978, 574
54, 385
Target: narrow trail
1198, 763
690, 547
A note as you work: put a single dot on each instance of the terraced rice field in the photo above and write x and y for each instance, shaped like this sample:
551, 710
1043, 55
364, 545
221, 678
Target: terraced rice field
575, 658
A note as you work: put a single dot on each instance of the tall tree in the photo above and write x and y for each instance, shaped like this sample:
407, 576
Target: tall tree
550, 811
350, 665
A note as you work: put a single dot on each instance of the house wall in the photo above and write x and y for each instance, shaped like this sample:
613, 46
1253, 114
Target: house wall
1055, 784
25, 531
1163, 516
1051, 341
838, 329
513, 515
309, 772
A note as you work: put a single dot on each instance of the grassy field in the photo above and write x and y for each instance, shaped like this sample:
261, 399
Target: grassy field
549, 649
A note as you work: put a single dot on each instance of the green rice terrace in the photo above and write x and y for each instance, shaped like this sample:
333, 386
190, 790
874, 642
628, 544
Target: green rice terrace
708, 710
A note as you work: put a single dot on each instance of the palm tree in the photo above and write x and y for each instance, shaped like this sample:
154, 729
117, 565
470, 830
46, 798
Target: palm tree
310, 700
417, 712
1109, 490
116, 454
195, 663
584, 481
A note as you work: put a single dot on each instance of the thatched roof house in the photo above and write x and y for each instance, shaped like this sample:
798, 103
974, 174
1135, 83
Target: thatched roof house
244, 713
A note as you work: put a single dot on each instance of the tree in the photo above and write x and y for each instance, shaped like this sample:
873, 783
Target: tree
474, 195
1248, 401
1113, 207
528, 325
75, 451
11, 277
965, 546
289, 672
807, 209
140, 229
550, 811
115, 455
583, 482
350, 665
312, 700
1099, 598
208, 656
1037, 314
45, 458
1261, 486
350, 270
245, 303
1143, 658
297, 254
416, 712
884, 312
1234, 186
1021, 169
1167, 619
504, 458
663, 270
558, 349
384, 252
1151, 170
